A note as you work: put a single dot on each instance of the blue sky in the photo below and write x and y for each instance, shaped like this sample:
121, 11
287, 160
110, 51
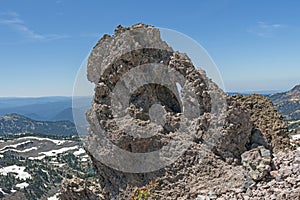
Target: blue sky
255, 44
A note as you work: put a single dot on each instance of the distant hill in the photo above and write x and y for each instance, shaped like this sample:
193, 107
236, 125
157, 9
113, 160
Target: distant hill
288, 103
262, 92
9, 102
65, 114
15, 123
43, 108
41, 111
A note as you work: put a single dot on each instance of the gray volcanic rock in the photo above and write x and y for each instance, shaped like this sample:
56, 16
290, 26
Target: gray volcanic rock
211, 126
282, 184
269, 129
120, 46
257, 161
213, 133
231, 139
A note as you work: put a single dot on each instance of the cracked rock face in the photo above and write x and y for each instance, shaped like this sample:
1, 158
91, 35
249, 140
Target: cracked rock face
138, 109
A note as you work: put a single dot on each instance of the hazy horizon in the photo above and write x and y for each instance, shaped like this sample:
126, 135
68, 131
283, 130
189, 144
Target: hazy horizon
87, 96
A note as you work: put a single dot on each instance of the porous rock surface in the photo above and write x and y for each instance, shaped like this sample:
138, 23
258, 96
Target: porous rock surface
225, 157
269, 129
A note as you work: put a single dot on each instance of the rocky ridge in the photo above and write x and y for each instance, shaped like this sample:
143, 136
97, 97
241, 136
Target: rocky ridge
288, 103
231, 141
15, 123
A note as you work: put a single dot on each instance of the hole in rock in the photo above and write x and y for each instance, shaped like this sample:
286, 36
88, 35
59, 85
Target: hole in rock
146, 96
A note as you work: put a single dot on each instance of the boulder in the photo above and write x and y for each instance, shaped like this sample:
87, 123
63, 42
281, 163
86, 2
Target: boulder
269, 128
257, 161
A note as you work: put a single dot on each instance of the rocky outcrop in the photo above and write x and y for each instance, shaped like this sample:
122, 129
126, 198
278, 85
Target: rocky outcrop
269, 129
217, 150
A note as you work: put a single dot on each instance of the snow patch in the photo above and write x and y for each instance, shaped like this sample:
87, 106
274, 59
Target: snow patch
296, 137
21, 174
45, 171
58, 151
53, 153
37, 158
55, 197
15, 145
57, 142
22, 185
79, 152
2, 191
57, 164
20, 151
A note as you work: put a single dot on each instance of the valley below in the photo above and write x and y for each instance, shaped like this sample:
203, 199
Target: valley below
32, 166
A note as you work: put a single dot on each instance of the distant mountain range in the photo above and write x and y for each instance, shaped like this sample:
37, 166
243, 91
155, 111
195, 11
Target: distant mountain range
288, 103
44, 108
15, 123
262, 92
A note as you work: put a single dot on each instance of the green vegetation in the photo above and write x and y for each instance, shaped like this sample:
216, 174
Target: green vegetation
144, 193
46, 174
